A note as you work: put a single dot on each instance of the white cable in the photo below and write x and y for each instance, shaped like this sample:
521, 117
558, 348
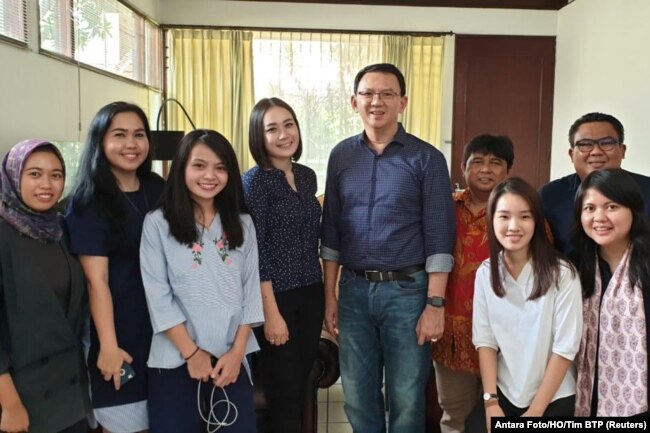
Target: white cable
213, 426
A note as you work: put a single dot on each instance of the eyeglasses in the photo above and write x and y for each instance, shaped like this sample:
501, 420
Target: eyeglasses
606, 144
384, 95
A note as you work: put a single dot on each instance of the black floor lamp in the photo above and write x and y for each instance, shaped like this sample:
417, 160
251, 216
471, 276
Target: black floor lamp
165, 143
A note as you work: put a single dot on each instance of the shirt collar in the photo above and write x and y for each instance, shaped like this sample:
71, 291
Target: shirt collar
401, 137
463, 199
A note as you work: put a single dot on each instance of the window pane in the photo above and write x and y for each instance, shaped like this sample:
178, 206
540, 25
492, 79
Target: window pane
12, 19
314, 73
153, 58
108, 36
56, 26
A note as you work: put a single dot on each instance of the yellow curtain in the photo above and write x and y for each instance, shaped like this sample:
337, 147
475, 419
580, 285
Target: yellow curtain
211, 73
420, 60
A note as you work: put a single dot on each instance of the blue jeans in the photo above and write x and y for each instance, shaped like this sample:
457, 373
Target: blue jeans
377, 323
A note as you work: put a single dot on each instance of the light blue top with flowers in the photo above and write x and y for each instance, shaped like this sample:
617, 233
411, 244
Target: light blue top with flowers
209, 287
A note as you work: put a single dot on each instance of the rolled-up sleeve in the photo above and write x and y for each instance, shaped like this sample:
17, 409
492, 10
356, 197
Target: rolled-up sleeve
482, 335
253, 312
438, 215
164, 311
567, 320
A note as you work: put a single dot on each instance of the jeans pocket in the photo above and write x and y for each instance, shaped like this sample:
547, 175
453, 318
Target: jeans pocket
419, 282
346, 276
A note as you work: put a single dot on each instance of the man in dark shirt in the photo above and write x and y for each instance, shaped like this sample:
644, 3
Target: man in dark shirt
596, 141
388, 220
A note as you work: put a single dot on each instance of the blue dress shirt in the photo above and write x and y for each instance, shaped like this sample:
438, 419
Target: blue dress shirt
391, 210
287, 223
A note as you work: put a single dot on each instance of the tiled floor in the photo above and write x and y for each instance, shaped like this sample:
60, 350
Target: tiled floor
331, 417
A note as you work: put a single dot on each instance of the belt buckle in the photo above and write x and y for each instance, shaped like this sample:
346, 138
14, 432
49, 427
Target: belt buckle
367, 275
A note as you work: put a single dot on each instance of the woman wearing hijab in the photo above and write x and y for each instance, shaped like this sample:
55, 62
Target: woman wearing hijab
43, 303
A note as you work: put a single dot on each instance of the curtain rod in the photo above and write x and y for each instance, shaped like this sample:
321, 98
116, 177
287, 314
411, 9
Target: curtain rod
298, 30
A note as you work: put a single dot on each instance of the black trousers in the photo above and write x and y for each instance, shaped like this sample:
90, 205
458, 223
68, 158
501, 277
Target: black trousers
475, 422
285, 368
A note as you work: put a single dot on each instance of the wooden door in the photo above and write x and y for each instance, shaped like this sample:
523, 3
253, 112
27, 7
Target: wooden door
504, 85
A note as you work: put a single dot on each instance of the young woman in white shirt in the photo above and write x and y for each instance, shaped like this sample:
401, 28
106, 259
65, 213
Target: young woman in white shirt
527, 315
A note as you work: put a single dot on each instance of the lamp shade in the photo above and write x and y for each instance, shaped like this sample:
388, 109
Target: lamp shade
164, 144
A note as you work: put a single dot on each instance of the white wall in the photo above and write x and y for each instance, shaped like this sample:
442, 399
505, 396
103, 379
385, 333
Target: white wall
48, 98
603, 64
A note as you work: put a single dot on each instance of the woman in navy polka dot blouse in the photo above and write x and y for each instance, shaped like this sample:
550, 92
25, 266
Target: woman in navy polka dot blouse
281, 196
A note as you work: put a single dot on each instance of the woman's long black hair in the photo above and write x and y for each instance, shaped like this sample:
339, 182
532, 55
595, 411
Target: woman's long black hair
546, 259
95, 180
178, 206
621, 188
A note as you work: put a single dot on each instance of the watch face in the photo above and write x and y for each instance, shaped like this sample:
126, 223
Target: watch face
436, 301
486, 396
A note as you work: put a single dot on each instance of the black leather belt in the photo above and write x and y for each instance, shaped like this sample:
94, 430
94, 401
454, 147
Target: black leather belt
395, 275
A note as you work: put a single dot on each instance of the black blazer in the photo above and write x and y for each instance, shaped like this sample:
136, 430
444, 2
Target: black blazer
40, 343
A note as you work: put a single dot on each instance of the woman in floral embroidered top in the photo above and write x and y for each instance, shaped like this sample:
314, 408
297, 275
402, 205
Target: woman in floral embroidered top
200, 272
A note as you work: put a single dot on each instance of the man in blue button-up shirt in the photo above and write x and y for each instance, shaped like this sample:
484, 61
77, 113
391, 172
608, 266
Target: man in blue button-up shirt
388, 220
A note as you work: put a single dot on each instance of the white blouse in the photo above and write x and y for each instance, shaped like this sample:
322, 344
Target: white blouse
526, 333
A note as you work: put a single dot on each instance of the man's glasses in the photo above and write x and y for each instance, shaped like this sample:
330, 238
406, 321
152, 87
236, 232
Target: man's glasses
606, 144
384, 95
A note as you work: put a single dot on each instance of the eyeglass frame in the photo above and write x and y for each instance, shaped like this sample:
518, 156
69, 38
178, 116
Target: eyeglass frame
383, 95
604, 144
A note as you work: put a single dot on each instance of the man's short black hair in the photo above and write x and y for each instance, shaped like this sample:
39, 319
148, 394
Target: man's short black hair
498, 145
384, 68
597, 117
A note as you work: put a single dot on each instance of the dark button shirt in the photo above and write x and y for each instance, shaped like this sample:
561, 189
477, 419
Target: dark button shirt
388, 211
287, 224
558, 197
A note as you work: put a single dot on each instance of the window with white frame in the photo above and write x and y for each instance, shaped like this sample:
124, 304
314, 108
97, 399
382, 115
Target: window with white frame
13, 19
104, 34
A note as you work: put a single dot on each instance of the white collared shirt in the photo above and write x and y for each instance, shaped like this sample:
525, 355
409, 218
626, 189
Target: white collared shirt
526, 333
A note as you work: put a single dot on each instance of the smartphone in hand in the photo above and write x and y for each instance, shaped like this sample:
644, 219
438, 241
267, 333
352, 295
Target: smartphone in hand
126, 374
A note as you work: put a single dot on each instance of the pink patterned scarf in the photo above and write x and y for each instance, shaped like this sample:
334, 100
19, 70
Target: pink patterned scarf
618, 333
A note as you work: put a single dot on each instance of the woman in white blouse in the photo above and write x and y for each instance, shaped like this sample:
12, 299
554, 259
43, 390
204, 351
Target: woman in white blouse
527, 314
200, 271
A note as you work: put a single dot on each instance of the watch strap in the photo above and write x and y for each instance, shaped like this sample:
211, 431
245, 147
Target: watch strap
436, 301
